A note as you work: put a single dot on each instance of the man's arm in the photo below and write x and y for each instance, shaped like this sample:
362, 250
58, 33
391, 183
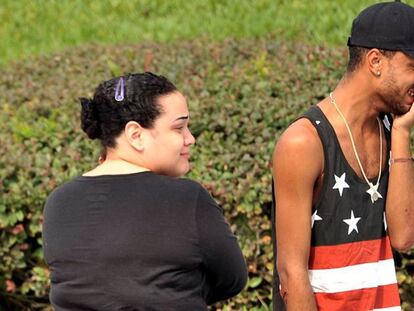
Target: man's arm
297, 164
400, 195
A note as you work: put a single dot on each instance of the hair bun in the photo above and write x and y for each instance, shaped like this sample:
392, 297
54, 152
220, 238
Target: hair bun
90, 119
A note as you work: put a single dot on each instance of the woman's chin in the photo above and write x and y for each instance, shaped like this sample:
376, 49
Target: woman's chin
178, 171
185, 169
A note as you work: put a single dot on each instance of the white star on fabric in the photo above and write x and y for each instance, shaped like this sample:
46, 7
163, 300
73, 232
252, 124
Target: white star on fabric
317, 122
352, 223
315, 217
340, 183
385, 222
373, 192
387, 123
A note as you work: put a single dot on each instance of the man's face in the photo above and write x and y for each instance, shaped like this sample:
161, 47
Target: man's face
397, 87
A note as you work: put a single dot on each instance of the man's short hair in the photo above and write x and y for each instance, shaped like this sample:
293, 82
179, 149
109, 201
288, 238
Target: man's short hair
357, 53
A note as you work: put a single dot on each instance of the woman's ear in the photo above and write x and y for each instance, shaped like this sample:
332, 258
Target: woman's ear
133, 133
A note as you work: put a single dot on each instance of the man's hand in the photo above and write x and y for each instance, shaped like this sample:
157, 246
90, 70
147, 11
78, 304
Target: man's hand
400, 197
404, 122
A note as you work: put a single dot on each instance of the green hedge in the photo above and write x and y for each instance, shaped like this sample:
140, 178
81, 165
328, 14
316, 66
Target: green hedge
242, 95
26, 24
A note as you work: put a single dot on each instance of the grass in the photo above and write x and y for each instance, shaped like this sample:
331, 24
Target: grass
41, 27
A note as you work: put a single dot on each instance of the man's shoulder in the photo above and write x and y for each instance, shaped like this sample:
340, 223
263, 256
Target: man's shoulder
299, 148
300, 134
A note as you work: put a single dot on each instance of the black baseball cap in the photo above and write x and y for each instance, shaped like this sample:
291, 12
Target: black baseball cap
386, 26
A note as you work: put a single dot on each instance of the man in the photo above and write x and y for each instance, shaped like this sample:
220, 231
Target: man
342, 199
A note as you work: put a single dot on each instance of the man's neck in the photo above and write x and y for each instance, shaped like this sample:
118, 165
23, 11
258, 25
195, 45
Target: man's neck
357, 103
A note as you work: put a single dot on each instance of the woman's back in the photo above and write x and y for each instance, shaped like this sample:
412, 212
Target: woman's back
129, 234
139, 241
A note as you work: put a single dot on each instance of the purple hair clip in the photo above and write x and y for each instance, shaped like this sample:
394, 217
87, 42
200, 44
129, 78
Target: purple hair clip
119, 92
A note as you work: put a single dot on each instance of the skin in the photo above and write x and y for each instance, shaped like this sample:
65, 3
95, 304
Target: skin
163, 149
361, 96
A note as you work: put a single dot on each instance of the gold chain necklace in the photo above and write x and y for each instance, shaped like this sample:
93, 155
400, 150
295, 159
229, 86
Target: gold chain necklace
373, 189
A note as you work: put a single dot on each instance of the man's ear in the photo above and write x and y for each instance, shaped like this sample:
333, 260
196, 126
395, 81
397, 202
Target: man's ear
133, 133
375, 60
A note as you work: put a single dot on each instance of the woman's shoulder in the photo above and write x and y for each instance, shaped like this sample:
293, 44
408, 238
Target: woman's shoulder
61, 191
164, 184
185, 188
180, 184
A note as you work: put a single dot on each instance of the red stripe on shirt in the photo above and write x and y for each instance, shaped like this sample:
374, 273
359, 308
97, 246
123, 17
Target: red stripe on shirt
348, 254
363, 299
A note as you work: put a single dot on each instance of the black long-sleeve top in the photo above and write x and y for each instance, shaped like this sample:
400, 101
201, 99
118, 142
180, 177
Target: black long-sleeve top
139, 241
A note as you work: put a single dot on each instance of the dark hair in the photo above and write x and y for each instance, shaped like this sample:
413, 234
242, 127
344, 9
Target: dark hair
104, 118
356, 54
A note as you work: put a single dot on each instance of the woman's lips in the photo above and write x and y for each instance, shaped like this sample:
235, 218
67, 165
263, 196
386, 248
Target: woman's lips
186, 155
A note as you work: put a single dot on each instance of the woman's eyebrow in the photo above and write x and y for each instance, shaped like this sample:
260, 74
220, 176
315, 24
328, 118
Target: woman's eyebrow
181, 118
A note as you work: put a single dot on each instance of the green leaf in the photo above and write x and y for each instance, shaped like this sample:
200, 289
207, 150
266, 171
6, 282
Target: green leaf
255, 281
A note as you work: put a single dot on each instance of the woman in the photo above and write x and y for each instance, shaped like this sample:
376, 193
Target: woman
129, 235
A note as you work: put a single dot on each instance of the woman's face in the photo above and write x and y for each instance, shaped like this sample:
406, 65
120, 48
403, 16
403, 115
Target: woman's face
168, 146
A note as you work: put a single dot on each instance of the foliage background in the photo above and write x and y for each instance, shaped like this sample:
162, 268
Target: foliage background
243, 91
36, 27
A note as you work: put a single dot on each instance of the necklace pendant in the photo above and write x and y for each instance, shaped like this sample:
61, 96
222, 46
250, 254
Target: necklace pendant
374, 193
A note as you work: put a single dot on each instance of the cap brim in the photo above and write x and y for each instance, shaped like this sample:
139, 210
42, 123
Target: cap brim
409, 53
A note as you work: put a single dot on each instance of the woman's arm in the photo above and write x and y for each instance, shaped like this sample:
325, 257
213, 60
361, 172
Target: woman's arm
226, 271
